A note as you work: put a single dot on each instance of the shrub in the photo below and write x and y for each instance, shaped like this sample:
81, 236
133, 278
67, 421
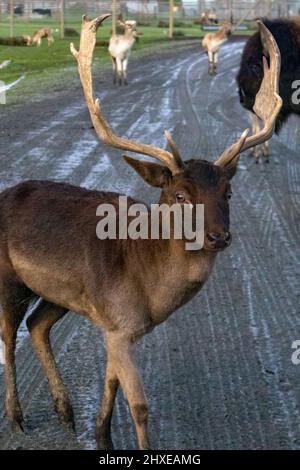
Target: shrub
178, 34
16, 41
163, 24
71, 32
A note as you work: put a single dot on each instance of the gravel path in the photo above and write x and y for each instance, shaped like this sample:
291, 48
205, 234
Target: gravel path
218, 374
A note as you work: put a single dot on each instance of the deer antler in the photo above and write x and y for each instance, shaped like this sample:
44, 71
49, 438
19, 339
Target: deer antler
267, 102
84, 58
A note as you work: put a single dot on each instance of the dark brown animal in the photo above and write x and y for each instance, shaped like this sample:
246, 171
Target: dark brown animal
49, 249
250, 75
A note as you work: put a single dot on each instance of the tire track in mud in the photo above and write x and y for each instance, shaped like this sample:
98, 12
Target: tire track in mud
218, 374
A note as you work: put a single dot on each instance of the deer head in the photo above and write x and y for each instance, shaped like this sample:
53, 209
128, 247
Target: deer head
194, 181
130, 28
226, 29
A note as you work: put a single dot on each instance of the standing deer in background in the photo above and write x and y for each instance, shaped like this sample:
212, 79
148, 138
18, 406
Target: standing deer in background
125, 287
211, 44
36, 39
249, 77
120, 49
209, 17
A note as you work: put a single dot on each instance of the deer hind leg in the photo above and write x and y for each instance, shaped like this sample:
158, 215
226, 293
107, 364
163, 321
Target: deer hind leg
115, 73
259, 149
255, 126
103, 424
121, 355
39, 324
119, 70
266, 151
14, 300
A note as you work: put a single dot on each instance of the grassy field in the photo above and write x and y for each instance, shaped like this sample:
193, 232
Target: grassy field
42, 66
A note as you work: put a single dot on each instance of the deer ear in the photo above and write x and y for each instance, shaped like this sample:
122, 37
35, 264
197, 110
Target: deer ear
153, 173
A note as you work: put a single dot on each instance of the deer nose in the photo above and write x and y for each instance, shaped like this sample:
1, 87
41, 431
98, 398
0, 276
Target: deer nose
218, 240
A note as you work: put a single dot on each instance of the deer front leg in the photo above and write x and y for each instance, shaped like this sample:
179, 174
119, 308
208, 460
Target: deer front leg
114, 66
215, 61
119, 70
210, 62
125, 63
103, 423
120, 351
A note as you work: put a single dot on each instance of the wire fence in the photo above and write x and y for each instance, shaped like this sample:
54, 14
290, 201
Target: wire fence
146, 12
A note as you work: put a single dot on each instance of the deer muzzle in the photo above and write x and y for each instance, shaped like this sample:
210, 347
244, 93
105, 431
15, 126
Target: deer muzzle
217, 241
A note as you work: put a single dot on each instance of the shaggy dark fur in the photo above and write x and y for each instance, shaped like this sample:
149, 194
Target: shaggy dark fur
249, 78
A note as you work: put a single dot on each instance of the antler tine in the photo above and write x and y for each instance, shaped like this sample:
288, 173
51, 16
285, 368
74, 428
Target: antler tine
267, 102
84, 58
173, 148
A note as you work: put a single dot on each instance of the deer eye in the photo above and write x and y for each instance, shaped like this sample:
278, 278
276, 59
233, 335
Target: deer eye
180, 197
228, 195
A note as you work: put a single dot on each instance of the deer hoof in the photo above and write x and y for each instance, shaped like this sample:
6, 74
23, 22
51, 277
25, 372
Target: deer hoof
18, 426
68, 423
15, 417
17, 423
69, 426
65, 415
104, 442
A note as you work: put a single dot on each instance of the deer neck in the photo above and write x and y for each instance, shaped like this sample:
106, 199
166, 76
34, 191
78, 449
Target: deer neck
221, 35
128, 36
173, 276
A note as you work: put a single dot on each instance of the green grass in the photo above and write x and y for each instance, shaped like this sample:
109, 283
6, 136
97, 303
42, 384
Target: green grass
52, 66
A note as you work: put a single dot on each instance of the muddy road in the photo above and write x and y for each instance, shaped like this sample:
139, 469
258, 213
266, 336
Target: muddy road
218, 373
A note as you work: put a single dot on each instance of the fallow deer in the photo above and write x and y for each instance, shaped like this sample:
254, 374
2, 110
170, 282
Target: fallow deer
36, 39
49, 249
287, 35
211, 44
120, 48
209, 17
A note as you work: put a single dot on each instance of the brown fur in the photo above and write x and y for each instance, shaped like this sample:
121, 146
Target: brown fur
44, 33
250, 75
49, 249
